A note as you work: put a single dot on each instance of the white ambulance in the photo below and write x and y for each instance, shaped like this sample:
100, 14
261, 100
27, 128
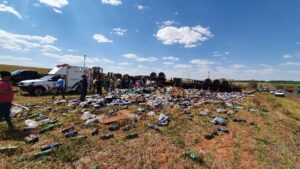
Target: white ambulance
70, 74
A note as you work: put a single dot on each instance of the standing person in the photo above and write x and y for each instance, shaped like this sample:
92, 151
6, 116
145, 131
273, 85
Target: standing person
98, 85
130, 84
119, 84
106, 84
6, 98
112, 84
59, 88
83, 85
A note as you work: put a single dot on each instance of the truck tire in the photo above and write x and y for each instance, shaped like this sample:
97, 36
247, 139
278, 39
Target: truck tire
38, 91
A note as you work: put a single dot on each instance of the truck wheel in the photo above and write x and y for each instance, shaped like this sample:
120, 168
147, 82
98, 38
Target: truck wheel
38, 91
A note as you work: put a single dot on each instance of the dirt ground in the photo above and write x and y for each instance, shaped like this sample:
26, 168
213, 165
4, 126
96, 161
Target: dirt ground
272, 140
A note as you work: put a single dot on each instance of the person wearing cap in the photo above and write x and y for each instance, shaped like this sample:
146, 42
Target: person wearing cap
6, 98
83, 85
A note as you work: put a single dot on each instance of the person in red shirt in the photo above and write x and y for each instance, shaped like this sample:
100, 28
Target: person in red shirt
6, 98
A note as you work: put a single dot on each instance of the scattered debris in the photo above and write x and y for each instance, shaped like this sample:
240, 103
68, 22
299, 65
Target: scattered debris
239, 120
163, 120
219, 121
132, 135
31, 124
8, 149
95, 131
31, 139
106, 136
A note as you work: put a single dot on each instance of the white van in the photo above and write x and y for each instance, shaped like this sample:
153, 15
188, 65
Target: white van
71, 75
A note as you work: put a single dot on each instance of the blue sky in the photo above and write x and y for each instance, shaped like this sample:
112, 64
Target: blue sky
234, 39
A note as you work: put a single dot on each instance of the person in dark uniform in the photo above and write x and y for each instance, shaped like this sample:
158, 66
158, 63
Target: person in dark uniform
83, 85
98, 84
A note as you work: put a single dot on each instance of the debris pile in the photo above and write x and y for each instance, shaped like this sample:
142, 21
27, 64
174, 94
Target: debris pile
123, 109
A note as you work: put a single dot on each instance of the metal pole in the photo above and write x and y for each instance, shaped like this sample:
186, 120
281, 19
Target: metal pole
84, 57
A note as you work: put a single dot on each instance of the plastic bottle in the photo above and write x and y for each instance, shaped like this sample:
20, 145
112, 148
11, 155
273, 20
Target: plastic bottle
66, 130
154, 127
132, 135
42, 153
8, 148
95, 132
71, 134
31, 139
106, 136
50, 146
192, 155
96, 167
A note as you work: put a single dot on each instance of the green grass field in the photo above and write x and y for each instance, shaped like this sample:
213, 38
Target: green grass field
272, 142
12, 68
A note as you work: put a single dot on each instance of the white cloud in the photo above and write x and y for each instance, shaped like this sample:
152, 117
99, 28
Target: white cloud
182, 66
217, 54
12, 59
292, 64
57, 11
261, 72
119, 31
141, 66
72, 50
265, 66
105, 60
170, 58
5, 2
140, 59
237, 66
202, 62
112, 2
55, 3
168, 23
188, 36
11, 10
140, 7
168, 63
124, 64
50, 48
289, 56
74, 59
18, 42
36, 5
16, 60
101, 38
297, 72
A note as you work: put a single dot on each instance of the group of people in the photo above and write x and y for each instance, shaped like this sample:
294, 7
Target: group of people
82, 85
109, 83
